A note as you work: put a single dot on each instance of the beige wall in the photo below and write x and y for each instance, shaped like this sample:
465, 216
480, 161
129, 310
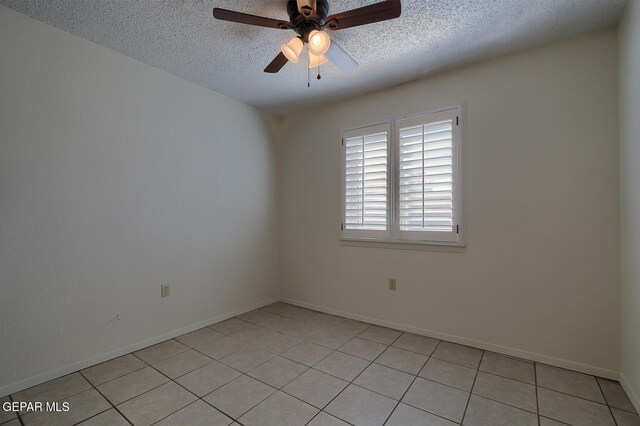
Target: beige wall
114, 178
630, 197
540, 275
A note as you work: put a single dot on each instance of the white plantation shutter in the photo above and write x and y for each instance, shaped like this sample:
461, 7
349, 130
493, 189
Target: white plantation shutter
366, 182
427, 193
401, 180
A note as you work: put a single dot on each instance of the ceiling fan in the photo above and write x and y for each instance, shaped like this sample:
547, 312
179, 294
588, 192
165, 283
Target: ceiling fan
309, 18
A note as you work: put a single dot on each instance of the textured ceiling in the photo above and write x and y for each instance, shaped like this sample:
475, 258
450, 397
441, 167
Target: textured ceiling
182, 38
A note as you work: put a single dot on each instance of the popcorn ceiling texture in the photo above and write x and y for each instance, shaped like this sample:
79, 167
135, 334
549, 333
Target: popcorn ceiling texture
182, 38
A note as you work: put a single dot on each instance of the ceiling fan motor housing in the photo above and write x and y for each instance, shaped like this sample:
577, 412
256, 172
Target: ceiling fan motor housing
303, 25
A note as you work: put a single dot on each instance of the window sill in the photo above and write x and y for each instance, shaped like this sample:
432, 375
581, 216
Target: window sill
441, 246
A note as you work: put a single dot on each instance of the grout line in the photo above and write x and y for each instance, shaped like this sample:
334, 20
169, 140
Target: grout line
607, 402
105, 398
411, 384
574, 396
464, 413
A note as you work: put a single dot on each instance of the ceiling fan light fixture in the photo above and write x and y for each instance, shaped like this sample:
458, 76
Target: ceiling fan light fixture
319, 42
292, 49
315, 61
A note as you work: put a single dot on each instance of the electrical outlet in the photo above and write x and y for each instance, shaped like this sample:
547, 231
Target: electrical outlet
392, 284
164, 290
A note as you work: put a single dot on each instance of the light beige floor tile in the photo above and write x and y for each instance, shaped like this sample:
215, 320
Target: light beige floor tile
197, 414
400, 359
301, 330
484, 412
570, 382
624, 418
363, 348
438, 399
351, 329
14, 422
511, 368
549, 422
278, 323
341, 365
133, 384
54, 390
247, 359
308, 354
219, 348
572, 410
199, 337
239, 396
276, 343
277, 308
458, 354
324, 419
156, 404
81, 406
615, 395
415, 343
406, 415
448, 373
255, 316
330, 338
360, 406
379, 334
299, 313
384, 380
182, 364
5, 416
161, 351
249, 334
230, 326
279, 409
277, 372
107, 418
315, 388
508, 391
208, 378
112, 369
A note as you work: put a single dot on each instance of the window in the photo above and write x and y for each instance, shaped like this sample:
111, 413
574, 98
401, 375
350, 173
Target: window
402, 180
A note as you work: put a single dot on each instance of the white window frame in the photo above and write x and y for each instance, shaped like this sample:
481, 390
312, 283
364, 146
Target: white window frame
394, 236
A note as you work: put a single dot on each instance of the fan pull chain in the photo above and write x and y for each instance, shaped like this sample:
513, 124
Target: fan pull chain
319, 76
308, 77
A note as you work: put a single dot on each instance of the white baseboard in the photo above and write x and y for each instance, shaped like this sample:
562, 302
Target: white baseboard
558, 362
79, 365
631, 393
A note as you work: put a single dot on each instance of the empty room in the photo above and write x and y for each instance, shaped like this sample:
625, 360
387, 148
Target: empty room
320, 212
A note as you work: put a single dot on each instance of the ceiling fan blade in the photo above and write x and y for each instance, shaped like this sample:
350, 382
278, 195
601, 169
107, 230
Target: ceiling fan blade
277, 64
389, 9
244, 18
342, 59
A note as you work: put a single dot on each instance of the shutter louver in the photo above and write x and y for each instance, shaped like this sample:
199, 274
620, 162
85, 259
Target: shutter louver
366, 180
426, 177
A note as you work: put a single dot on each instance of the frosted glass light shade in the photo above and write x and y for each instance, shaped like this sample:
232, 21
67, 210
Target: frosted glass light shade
319, 42
315, 60
292, 49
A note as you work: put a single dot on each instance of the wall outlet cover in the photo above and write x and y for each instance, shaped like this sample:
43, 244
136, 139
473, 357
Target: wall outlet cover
392, 284
164, 290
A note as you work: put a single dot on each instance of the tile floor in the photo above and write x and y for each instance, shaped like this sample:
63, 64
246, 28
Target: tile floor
283, 365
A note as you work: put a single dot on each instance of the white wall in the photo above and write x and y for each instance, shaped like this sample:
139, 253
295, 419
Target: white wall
114, 178
630, 197
540, 275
